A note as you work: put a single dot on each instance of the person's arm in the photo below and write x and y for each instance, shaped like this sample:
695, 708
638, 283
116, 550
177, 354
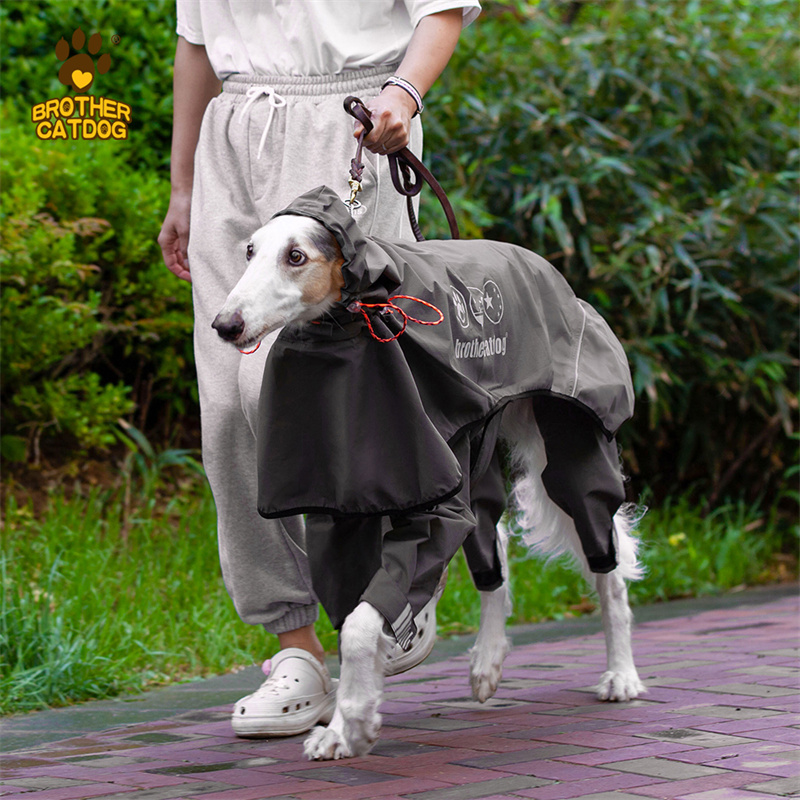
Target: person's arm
429, 50
194, 86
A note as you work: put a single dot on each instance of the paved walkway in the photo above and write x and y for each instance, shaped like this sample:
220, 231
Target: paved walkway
721, 721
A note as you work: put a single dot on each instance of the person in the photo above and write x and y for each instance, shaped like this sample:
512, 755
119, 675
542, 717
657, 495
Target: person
258, 120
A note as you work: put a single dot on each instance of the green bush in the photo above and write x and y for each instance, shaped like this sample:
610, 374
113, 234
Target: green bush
648, 150
93, 325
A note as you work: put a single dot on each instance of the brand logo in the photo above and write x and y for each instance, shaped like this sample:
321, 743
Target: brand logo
460, 305
485, 303
481, 348
81, 116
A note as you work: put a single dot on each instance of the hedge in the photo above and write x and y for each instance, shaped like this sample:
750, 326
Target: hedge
649, 151
94, 328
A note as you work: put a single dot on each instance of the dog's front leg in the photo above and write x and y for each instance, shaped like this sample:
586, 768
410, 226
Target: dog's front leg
356, 723
620, 681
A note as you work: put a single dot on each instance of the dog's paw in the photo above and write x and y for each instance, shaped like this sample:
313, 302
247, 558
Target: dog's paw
325, 744
619, 686
486, 668
343, 739
361, 731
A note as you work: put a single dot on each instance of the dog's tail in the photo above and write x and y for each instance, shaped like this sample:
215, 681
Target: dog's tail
547, 530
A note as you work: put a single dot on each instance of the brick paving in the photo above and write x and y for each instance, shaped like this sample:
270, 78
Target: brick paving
721, 721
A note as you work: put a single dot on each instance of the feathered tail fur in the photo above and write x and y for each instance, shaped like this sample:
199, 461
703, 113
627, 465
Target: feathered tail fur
546, 529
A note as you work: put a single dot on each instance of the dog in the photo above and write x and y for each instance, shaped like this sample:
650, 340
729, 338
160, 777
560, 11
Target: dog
297, 277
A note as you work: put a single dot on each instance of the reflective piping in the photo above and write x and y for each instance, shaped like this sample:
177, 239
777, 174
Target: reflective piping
578, 355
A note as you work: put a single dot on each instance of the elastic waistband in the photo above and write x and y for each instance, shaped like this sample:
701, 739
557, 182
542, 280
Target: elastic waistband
353, 80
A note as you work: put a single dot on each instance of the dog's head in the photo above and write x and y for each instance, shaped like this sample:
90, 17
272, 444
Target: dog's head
294, 274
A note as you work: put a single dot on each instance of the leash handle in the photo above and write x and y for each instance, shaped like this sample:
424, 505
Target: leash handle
401, 161
356, 108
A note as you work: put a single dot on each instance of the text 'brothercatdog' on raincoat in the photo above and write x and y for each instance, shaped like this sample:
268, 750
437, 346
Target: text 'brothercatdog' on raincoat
397, 439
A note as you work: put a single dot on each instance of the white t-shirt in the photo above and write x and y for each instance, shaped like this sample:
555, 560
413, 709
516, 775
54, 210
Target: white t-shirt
306, 37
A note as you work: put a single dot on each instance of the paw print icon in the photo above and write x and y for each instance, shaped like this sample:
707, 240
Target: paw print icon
78, 70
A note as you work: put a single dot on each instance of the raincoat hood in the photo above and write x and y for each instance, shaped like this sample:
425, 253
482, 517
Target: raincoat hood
367, 270
350, 425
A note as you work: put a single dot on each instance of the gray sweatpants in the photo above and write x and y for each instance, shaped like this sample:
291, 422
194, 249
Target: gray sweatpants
309, 142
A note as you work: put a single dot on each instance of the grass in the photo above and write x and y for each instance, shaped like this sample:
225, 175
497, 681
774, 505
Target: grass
104, 594
685, 555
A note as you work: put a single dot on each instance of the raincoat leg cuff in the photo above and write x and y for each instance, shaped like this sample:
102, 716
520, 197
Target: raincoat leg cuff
603, 564
487, 581
385, 595
608, 561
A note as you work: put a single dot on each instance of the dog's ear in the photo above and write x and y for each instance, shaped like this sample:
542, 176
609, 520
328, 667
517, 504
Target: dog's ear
326, 243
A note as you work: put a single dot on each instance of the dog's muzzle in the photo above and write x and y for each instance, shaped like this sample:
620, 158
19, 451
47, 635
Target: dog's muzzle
230, 328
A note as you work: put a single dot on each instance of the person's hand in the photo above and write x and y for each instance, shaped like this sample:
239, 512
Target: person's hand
174, 236
391, 113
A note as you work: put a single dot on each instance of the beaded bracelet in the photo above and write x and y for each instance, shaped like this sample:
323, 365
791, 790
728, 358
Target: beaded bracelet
409, 87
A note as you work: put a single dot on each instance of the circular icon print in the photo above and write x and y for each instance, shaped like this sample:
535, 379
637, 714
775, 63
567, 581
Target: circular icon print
461, 307
492, 302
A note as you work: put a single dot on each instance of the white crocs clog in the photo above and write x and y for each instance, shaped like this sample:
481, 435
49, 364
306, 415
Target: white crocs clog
422, 644
298, 693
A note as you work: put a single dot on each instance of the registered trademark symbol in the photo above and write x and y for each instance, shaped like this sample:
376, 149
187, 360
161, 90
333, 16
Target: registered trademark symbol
116, 39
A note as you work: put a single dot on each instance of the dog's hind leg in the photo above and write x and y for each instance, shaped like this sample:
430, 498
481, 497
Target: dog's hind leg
492, 645
551, 531
356, 723
620, 681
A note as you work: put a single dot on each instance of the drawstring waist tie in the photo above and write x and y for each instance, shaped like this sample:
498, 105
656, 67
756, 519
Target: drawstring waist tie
275, 101
278, 89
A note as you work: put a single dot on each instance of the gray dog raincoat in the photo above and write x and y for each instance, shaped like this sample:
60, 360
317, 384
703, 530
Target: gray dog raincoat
374, 434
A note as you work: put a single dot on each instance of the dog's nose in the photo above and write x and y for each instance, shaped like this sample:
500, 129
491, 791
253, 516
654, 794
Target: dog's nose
229, 328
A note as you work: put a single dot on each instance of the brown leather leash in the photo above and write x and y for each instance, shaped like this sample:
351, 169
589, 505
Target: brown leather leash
407, 172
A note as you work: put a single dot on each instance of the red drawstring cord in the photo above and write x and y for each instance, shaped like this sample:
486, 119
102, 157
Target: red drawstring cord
390, 309
250, 352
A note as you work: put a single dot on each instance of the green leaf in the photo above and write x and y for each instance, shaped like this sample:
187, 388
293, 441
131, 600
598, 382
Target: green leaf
13, 448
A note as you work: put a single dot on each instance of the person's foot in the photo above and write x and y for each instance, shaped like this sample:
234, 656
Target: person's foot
297, 694
422, 644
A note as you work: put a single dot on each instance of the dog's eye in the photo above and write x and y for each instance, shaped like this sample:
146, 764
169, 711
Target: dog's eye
297, 257
249, 251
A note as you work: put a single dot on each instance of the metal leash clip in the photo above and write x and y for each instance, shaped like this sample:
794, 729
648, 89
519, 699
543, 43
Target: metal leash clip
355, 187
358, 110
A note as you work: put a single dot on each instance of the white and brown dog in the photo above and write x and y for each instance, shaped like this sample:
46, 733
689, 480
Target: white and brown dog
295, 274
